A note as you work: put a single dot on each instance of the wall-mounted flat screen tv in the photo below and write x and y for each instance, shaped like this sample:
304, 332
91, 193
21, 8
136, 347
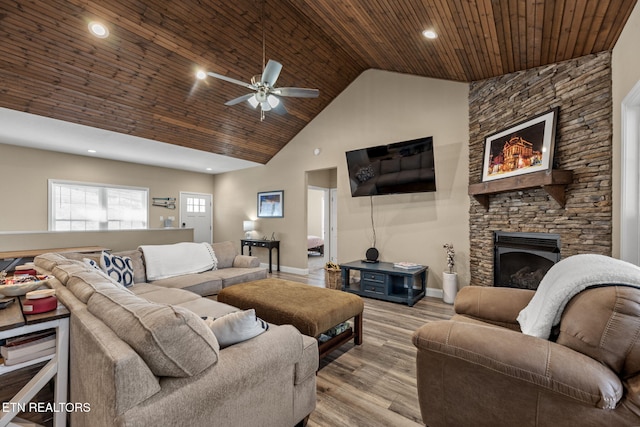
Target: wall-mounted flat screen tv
401, 167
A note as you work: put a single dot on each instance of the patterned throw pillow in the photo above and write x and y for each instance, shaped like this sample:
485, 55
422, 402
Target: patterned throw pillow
119, 268
92, 263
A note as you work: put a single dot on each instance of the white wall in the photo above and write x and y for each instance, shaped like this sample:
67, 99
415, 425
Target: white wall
625, 69
377, 108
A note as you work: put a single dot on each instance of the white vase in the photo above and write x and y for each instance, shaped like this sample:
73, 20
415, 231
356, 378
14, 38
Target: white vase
449, 287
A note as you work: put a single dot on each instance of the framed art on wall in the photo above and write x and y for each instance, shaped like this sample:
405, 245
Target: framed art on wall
271, 204
520, 149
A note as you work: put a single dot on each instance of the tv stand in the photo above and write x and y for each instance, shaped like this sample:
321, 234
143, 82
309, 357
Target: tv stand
384, 281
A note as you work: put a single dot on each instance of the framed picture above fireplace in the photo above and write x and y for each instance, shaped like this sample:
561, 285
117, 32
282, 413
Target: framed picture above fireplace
520, 149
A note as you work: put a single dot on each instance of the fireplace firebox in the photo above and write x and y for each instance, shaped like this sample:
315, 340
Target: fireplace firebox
522, 259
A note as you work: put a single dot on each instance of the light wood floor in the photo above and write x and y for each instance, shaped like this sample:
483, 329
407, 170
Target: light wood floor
373, 384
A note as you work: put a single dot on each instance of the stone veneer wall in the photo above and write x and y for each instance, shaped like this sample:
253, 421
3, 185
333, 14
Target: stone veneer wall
581, 88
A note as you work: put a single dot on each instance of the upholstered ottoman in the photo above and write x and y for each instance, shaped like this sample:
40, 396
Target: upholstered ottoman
311, 309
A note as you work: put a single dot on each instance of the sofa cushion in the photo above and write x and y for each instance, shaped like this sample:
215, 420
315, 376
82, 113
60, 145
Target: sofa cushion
205, 283
236, 327
205, 307
119, 268
50, 260
83, 284
225, 253
64, 271
233, 276
173, 341
167, 295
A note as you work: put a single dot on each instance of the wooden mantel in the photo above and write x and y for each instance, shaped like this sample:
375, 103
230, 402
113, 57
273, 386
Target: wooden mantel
553, 182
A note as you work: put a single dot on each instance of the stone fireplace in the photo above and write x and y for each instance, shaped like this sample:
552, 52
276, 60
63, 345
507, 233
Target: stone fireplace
581, 90
522, 259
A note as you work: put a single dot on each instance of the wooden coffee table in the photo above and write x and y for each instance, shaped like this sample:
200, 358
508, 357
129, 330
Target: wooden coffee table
310, 309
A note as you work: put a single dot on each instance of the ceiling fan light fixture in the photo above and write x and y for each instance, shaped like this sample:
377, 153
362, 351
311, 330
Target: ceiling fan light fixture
430, 34
253, 101
273, 101
201, 74
98, 29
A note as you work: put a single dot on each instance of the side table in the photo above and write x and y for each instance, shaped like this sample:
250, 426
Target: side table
268, 244
13, 323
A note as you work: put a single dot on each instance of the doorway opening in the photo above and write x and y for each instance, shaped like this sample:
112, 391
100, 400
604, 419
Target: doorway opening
630, 191
322, 239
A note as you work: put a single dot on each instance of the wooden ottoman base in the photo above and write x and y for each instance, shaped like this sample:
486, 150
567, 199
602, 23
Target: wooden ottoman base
310, 309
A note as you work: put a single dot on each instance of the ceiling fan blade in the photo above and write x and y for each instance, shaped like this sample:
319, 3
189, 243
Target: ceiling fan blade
297, 92
271, 73
231, 80
239, 99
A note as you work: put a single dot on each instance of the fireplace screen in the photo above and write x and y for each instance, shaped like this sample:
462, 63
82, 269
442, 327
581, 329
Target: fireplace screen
522, 259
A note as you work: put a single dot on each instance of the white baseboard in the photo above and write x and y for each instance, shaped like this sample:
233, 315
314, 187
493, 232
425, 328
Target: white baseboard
436, 293
285, 269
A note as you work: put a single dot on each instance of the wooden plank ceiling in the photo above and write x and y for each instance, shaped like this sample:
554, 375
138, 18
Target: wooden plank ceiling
140, 81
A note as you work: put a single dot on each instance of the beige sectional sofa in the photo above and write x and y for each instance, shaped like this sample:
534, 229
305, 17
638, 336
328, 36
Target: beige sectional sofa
143, 356
232, 269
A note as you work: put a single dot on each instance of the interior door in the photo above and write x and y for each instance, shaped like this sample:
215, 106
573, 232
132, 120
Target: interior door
196, 211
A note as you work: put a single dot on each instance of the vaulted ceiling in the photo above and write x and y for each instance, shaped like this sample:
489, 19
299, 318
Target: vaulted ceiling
141, 79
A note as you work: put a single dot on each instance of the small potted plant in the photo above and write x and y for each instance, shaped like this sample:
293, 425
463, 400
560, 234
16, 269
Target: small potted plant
332, 273
449, 278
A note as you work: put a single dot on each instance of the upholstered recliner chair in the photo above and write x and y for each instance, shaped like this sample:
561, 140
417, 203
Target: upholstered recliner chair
479, 369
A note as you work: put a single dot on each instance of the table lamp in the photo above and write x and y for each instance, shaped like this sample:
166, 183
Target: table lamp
248, 227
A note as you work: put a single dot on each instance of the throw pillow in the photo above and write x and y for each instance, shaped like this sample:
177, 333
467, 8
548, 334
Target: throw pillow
236, 327
119, 268
94, 266
173, 341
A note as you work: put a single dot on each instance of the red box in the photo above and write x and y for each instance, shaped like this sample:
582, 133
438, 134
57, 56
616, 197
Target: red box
42, 305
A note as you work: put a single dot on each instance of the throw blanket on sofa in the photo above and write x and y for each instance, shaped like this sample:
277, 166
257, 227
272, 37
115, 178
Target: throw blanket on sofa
566, 279
163, 261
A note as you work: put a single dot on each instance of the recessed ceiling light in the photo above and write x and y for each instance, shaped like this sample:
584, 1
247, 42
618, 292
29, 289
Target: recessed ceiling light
209, 169
430, 34
98, 29
92, 151
201, 75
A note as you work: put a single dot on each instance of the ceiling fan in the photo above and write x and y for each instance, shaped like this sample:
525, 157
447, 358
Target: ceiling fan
265, 94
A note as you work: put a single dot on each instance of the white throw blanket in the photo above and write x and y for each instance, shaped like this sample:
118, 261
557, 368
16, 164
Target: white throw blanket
566, 279
163, 261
